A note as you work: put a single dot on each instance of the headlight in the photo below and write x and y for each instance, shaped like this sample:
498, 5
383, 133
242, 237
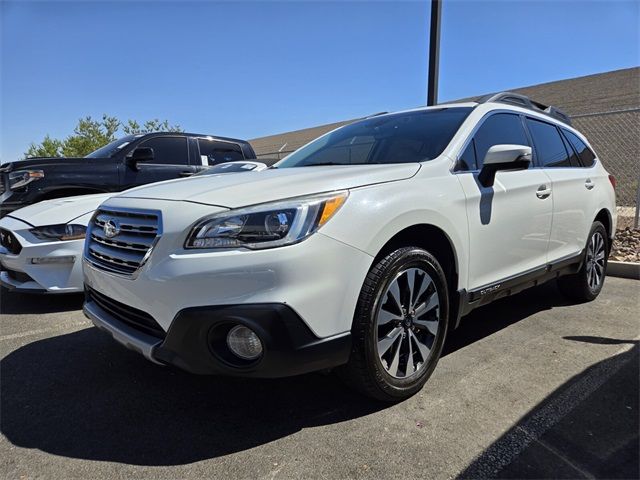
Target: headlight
20, 178
60, 232
268, 225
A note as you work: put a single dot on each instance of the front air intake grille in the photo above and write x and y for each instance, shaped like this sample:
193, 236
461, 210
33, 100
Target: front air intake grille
9, 241
120, 241
19, 276
130, 316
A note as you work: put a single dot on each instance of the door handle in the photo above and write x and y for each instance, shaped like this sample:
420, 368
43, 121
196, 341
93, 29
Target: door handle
186, 174
589, 184
543, 192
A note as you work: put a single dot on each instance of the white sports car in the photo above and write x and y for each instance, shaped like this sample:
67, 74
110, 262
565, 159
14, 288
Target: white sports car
41, 245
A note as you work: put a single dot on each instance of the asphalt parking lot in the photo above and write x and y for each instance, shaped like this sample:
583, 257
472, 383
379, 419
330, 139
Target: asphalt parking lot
529, 387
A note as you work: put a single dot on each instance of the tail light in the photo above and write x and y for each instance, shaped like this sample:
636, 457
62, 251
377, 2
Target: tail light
613, 181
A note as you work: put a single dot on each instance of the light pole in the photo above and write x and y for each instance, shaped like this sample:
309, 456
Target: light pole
434, 52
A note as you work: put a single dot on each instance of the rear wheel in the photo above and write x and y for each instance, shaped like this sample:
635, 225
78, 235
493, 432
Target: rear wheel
400, 325
587, 283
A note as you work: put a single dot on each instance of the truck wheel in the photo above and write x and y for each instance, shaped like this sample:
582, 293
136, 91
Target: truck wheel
399, 327
585, 285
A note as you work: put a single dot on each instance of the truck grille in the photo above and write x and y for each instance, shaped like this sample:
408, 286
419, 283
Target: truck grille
120, 241
10, 242
130, 316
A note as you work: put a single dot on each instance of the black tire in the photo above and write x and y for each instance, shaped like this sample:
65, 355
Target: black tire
580, 286
366, 371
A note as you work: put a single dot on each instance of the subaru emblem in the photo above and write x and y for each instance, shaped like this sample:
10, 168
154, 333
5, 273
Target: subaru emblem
111, 228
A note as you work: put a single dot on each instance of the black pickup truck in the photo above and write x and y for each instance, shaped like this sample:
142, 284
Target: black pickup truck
130, 161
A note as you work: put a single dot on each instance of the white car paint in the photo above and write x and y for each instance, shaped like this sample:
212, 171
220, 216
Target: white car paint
63, 277
321, 277
233, 191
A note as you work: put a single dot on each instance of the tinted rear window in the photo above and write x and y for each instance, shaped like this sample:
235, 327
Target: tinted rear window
397, 138
587, 157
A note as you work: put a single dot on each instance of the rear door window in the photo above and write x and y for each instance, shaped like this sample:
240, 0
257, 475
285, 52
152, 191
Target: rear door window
550, 149
214, 152
587, 157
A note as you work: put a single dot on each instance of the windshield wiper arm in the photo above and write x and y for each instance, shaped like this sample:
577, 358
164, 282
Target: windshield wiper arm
322, 164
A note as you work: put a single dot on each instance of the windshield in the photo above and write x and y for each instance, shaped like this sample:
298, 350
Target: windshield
112, 148
397, 138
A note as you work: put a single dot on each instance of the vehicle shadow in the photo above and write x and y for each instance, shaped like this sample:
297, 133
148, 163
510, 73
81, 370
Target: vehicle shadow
502, 313
14, 303
586, 428
81, 395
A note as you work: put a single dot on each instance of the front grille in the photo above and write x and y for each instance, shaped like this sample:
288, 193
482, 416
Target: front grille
9, 241
2, 186
119, 241
19, 276
130, 316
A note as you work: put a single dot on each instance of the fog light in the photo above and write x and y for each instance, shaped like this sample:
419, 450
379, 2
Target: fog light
244, 343
50, 260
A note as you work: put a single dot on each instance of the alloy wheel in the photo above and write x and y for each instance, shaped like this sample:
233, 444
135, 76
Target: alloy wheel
595, 261
407, 322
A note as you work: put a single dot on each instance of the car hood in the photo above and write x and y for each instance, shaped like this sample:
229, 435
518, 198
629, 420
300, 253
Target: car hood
233, 191
51, 162
59, 210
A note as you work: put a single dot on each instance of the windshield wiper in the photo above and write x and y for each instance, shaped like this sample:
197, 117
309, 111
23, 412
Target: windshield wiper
322, 164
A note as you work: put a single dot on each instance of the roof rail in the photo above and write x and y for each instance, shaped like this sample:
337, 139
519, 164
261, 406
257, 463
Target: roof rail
526, 102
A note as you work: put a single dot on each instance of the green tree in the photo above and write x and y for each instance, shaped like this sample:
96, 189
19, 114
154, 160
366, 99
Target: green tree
155, 125
49, 147
91, 134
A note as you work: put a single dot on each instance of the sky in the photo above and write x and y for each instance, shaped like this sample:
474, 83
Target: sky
248, 69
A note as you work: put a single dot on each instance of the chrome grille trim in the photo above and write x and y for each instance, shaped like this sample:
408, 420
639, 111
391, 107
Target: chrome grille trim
128, 245
126, 252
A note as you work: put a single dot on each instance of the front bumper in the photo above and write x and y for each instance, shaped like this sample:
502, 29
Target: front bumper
178, 293
19, 273
319, 278
195, 341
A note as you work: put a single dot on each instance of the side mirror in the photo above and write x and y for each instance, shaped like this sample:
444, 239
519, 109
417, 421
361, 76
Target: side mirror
503, 157
141, 154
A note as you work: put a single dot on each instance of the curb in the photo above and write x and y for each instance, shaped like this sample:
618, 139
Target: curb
623, 270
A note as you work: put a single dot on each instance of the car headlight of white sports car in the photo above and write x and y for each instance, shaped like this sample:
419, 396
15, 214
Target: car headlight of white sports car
61, 232
267, 225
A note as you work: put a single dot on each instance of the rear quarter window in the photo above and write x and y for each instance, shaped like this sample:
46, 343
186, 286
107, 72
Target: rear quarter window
587, 157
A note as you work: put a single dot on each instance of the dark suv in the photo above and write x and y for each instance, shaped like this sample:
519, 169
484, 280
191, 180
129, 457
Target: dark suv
130, 161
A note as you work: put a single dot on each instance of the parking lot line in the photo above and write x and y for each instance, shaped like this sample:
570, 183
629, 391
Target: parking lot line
58, 328
516, 441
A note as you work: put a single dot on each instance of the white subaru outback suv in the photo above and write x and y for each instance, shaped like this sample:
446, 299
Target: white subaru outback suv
358, 251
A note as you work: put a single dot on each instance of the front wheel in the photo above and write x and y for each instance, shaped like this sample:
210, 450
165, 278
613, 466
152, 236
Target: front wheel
400, 325
587, 283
